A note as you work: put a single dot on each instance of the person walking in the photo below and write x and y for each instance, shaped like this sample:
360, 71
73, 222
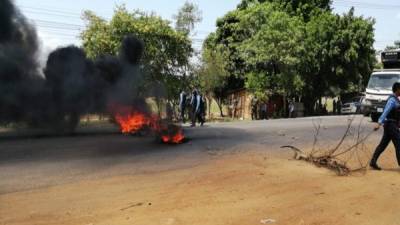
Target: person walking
390, 119
291, 109
339, 107
264, 109
334, 106
254, 103
196, 108
182, 105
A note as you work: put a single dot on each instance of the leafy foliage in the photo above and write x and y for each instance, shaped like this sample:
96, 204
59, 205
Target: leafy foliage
167, 51
212, 75
296, 48
188, 15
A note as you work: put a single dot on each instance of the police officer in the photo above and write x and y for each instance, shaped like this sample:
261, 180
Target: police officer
390, 119
196, 103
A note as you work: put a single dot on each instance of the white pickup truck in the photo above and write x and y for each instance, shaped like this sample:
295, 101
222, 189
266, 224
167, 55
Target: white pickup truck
380, 84
378, 90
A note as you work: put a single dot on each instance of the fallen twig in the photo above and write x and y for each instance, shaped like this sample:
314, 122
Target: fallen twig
330, 158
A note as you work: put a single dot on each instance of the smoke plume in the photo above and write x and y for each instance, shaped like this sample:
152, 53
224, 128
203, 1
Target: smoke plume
72, 84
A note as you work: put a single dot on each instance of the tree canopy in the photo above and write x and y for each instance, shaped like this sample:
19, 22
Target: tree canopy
295, 48
188, 15
167, 51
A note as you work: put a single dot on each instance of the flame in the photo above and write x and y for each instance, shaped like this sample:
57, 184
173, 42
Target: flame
132, 121
174, 138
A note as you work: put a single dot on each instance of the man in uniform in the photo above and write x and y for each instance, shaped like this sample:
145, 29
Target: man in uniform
196, 108
390, 119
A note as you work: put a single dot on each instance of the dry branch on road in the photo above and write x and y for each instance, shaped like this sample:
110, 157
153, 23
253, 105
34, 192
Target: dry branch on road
338, 157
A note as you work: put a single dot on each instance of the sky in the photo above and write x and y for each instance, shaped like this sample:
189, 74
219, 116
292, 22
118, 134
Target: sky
59, 22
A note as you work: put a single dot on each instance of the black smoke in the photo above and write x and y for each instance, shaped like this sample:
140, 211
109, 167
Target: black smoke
69, 86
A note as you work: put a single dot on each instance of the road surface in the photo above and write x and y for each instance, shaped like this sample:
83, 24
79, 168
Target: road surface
227, 173
27, 163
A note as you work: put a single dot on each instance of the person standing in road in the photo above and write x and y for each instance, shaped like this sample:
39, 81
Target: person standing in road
390, 119
254, 103
339, 107
334, 107
182, 105
196, 108
291, 109
264, 109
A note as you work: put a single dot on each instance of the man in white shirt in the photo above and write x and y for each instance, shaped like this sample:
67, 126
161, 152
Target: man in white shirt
182, 105
291, 109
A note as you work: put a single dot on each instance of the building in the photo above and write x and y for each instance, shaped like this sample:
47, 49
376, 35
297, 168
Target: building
239, 102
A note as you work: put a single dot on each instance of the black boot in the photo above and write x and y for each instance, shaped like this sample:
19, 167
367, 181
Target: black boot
374, 166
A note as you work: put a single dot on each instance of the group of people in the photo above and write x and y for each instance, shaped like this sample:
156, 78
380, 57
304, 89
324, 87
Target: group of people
337, 107
196, 107
259, 110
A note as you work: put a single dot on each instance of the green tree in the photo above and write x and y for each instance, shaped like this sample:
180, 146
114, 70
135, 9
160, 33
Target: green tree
212, 76
188, 15
296, 48
167, 51
339, 55
272, 52
303, 8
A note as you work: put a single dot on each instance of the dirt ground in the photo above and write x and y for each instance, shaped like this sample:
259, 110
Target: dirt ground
243, 188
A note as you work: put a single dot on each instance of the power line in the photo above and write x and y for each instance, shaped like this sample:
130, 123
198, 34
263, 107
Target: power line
50, 10
57, 27
55, 12
374, 6
368, 4
52, 14
58, 23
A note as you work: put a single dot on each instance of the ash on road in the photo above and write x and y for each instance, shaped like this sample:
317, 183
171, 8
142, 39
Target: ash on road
233, 173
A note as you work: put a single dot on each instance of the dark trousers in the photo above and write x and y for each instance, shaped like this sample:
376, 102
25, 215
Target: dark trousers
183, 114
254, 114
390, 133
197, 116
264, 115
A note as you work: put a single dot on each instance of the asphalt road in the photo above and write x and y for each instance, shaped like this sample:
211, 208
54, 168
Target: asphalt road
28, 162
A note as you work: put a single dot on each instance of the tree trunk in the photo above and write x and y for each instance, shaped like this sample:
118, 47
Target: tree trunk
219, 103
209, 107
285, 105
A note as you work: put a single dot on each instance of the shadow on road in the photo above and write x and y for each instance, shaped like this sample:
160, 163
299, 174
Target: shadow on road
108, 144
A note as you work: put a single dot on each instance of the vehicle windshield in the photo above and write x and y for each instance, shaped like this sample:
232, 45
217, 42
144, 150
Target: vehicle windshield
353, 100
383, 81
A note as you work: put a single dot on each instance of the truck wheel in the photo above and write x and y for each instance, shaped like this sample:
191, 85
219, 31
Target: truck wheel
374, 117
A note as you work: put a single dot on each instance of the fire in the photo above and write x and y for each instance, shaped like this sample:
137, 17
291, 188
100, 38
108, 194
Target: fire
132, 121
172, 134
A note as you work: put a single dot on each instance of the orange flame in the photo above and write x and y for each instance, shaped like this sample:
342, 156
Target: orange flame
131, 121
174, 138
